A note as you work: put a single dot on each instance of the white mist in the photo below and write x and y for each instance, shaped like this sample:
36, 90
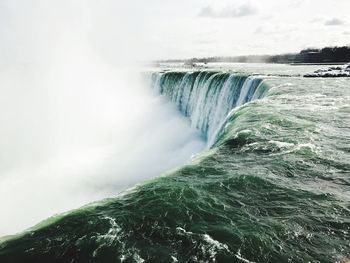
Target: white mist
76, 127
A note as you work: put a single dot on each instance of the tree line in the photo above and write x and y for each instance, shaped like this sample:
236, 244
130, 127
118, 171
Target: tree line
309, 55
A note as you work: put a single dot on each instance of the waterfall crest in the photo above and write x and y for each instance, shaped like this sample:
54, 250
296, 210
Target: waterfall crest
207, 97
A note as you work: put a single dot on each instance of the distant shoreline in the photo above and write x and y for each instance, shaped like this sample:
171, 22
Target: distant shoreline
310, 56
315, 64
279, 63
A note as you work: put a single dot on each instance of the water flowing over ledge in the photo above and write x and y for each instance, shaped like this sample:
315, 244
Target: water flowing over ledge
207, 97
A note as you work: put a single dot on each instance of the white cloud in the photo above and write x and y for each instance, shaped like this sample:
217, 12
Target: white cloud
297, 3
255, 27
334, 22
275, 29
246, 9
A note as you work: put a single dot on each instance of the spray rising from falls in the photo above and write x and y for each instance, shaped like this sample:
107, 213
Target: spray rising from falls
207, 97
77, 125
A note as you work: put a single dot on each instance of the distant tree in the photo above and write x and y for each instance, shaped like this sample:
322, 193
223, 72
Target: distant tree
309, 55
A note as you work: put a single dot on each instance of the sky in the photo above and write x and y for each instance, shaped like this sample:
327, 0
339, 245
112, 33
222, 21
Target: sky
162, 29
200, 28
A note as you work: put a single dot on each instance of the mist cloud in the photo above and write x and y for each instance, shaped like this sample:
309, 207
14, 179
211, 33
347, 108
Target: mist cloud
77, 125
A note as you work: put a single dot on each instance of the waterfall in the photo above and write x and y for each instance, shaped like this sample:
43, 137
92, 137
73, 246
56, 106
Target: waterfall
207, 97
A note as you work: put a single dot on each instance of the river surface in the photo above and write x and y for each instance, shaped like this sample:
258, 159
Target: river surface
273, 184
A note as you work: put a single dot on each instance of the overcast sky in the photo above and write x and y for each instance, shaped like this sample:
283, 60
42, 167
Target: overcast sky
188, 28
153, 29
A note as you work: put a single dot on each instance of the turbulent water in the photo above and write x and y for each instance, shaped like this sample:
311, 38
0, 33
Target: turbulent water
273, 186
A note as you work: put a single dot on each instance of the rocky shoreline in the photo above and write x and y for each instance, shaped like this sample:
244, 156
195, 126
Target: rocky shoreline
332, 72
